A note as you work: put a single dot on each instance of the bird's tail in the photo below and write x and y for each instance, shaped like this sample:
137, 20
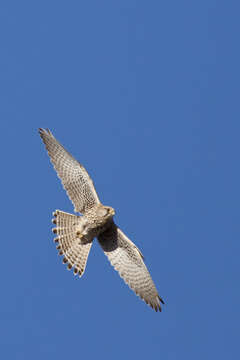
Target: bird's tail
69, 241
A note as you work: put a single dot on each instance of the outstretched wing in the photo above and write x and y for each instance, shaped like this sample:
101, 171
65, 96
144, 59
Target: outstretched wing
75, 178
128, 261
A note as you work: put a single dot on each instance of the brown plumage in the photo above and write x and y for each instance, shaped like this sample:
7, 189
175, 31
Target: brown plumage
75, 234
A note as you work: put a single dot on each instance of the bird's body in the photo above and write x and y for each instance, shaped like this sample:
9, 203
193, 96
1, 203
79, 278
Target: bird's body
75, 234
96, 220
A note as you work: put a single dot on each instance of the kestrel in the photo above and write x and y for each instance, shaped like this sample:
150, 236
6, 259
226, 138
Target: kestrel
75, 234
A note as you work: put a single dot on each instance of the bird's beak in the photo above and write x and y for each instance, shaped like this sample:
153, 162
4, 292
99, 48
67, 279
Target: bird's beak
112, 212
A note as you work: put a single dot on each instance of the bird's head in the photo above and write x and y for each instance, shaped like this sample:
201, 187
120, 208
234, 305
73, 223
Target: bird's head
110, 210
106, 212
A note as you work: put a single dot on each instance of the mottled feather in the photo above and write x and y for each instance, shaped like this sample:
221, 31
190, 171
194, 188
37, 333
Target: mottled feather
75, 178
75, 233
127, 259
75, 251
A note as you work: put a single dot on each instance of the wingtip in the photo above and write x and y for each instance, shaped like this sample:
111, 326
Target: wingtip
161, 300
40, 131
44, 131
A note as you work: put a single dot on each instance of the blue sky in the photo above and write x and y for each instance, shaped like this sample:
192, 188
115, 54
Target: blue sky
146, 96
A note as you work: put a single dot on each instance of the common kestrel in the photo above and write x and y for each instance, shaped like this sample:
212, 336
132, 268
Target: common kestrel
75, 234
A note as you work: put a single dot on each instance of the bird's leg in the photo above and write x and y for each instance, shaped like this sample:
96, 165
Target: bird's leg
81, 229
79, 234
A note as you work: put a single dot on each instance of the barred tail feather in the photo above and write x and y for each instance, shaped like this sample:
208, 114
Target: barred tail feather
75, 250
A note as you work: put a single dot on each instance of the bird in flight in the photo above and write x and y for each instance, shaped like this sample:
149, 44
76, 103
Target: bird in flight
75, 234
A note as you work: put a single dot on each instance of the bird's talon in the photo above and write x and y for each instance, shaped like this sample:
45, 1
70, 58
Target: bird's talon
79, 235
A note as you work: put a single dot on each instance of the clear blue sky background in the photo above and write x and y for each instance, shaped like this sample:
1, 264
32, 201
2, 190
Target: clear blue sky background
146, 95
